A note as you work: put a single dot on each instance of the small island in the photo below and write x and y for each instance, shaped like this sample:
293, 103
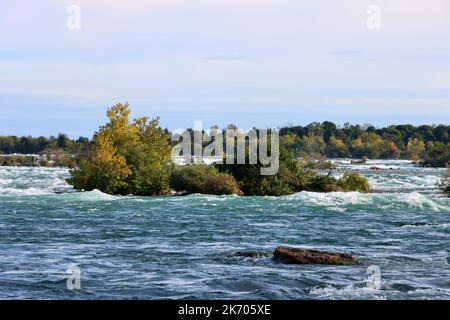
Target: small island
134, 158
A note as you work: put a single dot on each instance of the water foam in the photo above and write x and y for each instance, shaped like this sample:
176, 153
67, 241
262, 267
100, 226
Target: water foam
344, 201
96, 195
25, 181
348, 292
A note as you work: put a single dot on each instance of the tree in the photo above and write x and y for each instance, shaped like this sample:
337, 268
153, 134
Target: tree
414, 149
337, 148
437, 154
369, 145
63, 141
392, 148
127, 158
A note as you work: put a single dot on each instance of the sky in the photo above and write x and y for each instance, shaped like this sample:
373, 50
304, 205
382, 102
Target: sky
253, 63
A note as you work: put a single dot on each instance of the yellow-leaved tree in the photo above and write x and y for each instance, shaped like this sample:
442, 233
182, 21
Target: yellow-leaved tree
414, 149
128, 157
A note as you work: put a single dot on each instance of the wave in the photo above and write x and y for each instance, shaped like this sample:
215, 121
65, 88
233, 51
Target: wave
389, 182
26, 181
406, 192
95, 195
36, 191
347, 292
343, 201
335, 201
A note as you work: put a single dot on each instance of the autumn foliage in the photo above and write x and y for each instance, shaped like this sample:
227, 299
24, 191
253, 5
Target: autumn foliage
127, 158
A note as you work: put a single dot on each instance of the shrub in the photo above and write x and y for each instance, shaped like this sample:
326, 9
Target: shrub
203, 179
220, 184
323, 183
351, 181
192, 178
292, 177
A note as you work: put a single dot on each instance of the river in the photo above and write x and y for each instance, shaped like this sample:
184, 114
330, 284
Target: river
185, 247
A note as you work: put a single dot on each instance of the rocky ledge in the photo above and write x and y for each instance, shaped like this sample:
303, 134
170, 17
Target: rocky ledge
308, 256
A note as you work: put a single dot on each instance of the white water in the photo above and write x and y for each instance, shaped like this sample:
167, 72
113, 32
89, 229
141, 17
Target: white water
183, 247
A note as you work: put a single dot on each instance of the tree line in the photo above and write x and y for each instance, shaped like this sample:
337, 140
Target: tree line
31, 145
425, 144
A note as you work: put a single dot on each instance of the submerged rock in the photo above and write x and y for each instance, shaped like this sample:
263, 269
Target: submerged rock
359, 161
252, 254
308, 256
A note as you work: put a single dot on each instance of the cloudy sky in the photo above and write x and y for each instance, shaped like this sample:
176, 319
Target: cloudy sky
264, 63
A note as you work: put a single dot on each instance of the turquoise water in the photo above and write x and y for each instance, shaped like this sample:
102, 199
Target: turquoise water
185, 247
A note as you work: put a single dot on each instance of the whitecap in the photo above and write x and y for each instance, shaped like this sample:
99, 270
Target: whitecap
96, 195
348, 292
343, 201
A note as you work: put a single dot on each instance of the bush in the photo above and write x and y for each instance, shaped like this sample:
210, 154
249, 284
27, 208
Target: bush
292, 177
322, 183
220, 184
352, 181
203, 179
192, 178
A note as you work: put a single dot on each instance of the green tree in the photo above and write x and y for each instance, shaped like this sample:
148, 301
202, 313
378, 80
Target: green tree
370, 145
127, 158
437, 154
336, 148
414, 149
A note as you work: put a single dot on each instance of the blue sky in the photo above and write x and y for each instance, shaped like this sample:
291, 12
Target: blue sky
265, 63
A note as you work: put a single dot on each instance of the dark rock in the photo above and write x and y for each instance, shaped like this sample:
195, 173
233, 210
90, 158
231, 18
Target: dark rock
362, 161
308, 256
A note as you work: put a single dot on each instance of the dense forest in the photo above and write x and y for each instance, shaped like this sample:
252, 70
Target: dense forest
30, 145
60, 151
426, 144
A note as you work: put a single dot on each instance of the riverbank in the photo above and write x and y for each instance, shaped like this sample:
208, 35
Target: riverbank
57, 158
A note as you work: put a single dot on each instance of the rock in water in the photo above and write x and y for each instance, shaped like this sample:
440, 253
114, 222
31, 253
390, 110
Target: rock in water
252, 254
308, 256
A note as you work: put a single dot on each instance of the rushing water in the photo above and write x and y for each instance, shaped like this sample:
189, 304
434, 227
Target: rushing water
185, 247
